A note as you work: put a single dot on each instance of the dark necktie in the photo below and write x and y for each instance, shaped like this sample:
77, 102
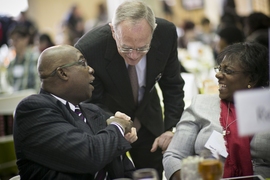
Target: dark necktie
101, 175
134, 82
135, 89
79, 112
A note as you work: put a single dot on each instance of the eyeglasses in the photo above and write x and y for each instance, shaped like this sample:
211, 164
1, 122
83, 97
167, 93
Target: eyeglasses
81, 62
129, 50
138, 50
227, 71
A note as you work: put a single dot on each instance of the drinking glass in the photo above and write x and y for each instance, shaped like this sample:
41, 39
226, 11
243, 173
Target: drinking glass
145, 174
210, 168
189, 169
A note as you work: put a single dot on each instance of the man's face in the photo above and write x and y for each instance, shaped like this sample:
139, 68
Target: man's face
81, 78
132, 40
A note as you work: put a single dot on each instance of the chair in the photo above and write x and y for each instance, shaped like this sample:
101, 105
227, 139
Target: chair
7, 156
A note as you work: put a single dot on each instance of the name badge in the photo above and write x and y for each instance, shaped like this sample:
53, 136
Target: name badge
216, 143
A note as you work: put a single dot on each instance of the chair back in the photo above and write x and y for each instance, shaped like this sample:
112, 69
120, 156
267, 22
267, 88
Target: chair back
7, 156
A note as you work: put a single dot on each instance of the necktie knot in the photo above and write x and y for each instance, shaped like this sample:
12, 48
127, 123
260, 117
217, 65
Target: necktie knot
79, 112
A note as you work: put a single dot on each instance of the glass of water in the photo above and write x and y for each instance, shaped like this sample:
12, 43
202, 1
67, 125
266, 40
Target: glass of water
145, 174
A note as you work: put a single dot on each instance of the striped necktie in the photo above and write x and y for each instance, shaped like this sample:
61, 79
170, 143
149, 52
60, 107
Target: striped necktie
101, 175
79, 113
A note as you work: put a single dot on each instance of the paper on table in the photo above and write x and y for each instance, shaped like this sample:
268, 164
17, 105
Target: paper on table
253, 111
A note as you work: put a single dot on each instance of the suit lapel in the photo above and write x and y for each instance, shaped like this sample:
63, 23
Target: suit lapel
154, 68
78, 121
117, 71
94, 118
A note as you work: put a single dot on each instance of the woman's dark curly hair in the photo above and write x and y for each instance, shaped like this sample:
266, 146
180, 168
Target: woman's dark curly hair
253, 58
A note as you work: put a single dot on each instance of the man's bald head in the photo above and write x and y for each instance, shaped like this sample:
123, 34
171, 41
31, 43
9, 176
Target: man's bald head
52, 58
64, 72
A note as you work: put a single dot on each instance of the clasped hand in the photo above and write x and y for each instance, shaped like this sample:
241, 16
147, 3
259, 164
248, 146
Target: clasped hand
125, 122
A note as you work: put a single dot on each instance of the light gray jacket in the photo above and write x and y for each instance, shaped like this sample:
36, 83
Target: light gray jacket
195, 127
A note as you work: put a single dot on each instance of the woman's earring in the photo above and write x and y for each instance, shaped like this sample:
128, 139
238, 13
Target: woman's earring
249, 86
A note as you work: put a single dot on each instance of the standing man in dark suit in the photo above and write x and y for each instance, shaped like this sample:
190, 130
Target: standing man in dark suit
53, 142
136, 38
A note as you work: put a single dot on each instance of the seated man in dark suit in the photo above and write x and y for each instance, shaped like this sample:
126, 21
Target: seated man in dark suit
53, 142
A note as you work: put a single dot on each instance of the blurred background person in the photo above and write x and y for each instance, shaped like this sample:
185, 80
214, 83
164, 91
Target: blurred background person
44, 41
22, 70
257, 25
229, 19
24, 20
227, 36
99, 20
189, 34
5, 23
167, 9
72, 27
206, 33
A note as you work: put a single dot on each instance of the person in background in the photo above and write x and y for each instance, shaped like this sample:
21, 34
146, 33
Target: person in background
135, 39
242, 66
100, 20
73, 25
53, 140
5, 23
22, 70
189, 34
25, 20
206, 34
227, 36
257, 26
44, 42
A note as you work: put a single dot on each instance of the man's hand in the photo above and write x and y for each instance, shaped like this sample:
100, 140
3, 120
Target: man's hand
121, 115
132, 136
123, 120
176, 175
162, 141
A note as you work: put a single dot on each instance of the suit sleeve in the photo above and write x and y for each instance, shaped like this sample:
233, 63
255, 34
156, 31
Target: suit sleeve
182, 144
172, 83
45, 133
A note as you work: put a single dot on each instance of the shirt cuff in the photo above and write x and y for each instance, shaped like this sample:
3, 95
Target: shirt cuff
119, 127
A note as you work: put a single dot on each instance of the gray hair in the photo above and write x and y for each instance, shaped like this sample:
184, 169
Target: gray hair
134, 11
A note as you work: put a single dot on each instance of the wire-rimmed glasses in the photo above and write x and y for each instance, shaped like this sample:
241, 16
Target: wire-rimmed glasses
81, 62
138, 50
227, 71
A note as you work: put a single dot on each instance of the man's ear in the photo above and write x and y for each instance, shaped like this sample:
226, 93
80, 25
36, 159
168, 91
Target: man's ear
61, 73
112, 29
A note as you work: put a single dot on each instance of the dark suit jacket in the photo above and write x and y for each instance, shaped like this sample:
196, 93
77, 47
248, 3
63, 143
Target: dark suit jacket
52, 142
112, 85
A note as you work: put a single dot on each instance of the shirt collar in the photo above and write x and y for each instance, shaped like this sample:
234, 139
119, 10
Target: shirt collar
72, 107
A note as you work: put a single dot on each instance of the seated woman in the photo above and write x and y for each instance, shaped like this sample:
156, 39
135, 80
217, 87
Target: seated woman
243, 66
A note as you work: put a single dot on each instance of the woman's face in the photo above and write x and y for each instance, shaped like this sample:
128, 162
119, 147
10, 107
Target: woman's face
231, 78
